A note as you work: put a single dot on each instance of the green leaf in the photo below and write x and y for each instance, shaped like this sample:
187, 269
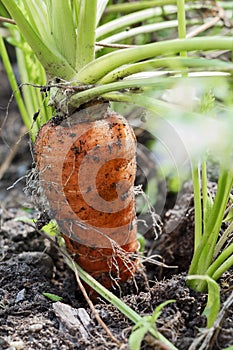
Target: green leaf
159, 308
213, 301
51, 228
141, 241
52, 297
136, 338
146, 324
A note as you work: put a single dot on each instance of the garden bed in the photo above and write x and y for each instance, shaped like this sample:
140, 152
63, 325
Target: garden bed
30, 266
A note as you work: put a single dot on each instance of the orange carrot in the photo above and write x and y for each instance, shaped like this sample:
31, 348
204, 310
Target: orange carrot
87, 169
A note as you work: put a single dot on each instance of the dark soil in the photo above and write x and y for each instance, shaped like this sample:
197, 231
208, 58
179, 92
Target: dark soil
30, 266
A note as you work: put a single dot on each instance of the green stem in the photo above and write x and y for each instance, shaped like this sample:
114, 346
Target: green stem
204, 193
126, 21
3, 11
90, 94
96, 70
223, 267
29, 93
14, 85
30, 69
101, 6
197, 207
138, 5
203, 256
223, 262
223, 239
158, 107
86, 33
54, 63
62, 36
181, 23
170, 62
225, 184
147, 28
141, 30
225, 5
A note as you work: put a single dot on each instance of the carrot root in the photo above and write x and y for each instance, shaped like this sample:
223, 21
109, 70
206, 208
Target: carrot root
87, 169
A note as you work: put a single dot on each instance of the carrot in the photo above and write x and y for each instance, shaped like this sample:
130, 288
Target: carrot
87, 166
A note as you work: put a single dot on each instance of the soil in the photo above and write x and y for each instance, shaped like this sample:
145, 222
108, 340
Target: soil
31, 266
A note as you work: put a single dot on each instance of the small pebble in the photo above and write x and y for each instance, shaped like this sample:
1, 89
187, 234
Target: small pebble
37, 327
69, 320
20, 296
3, 343
16, 345
84, 317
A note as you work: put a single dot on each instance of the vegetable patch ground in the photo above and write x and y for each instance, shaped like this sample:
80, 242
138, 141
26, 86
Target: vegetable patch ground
30, 266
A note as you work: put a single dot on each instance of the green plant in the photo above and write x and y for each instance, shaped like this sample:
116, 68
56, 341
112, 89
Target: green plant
213, 253
209, 258
145, 325
213, 303
52, 297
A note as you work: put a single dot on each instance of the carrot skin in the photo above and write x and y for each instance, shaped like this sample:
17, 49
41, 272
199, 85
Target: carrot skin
86, 172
